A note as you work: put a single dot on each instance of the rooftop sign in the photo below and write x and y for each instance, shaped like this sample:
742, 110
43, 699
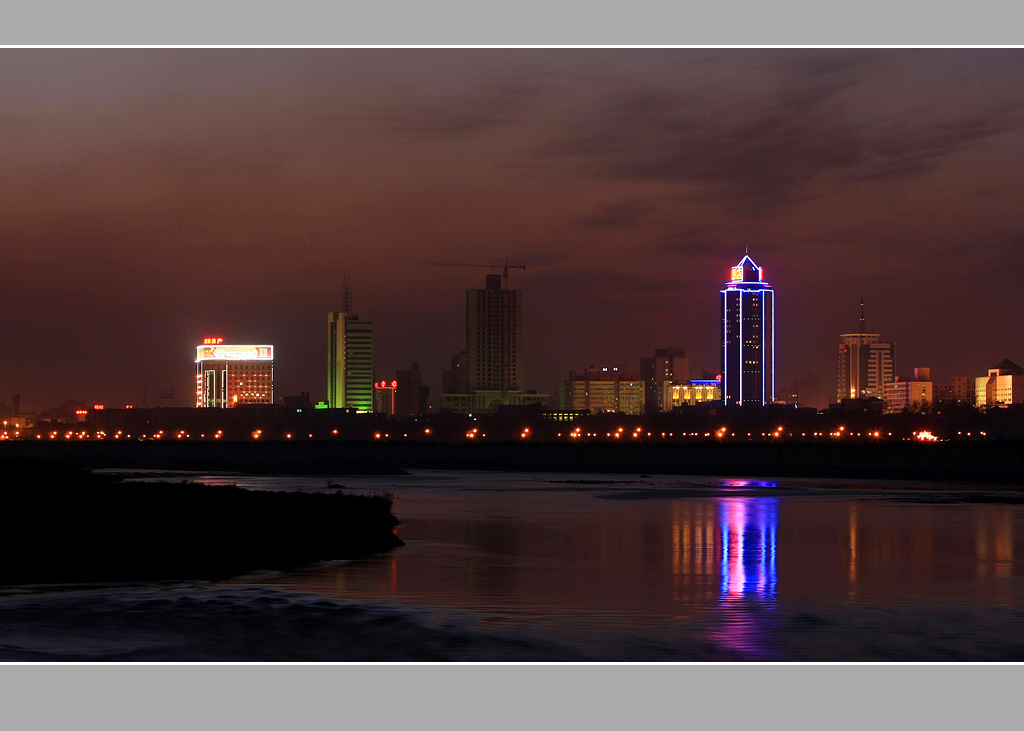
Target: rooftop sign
235, 352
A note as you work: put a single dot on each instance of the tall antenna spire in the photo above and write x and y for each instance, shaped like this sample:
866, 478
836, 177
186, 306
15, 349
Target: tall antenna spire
861, 315
346, 295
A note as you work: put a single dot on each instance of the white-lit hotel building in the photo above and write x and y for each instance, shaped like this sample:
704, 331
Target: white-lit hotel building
233, 375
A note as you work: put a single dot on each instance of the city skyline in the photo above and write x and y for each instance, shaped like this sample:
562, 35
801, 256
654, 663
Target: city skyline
157, 197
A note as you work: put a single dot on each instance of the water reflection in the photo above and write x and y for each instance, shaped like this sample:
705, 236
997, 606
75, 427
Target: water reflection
994, 544
573, 559
749, 529
908, 549
725, 548
852, 571
749, 483
748, 574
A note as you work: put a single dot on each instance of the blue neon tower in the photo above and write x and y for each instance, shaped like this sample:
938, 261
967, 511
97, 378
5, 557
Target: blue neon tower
748, 337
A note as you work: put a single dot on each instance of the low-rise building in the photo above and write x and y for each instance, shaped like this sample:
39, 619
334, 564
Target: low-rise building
691, 393
910, 394
1003, 385
958, 390
600, 390
488, 402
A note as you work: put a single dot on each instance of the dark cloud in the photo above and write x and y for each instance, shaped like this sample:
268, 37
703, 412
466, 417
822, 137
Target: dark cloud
769, 141
746, 160
618, 215
607, 285
905, 149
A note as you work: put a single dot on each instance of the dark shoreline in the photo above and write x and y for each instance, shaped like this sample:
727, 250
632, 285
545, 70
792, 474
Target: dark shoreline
993, 463
63, 524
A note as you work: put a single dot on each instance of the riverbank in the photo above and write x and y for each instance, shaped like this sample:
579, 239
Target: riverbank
65, 525
975, 461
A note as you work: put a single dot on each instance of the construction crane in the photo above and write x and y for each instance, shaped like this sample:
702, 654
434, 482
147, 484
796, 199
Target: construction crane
504, 268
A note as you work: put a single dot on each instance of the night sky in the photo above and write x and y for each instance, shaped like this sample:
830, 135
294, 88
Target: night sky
153, 197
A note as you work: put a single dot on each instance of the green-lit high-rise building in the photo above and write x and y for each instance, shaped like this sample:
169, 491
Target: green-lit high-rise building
349, 358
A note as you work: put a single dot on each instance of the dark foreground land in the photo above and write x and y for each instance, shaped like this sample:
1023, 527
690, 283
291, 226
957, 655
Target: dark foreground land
966, 461
65, 525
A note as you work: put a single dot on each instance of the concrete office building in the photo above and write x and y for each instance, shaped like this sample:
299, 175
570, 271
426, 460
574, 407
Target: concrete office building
666, 367
494, 352
865, 364
603, 390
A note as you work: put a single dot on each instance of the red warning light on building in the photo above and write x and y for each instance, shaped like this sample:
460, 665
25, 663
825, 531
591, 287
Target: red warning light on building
384, 397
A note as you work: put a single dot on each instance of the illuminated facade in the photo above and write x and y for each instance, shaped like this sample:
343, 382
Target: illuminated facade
865, 364
603, 390
233, 375
699, 391
349, 358
1003, 385
748, 337
349, 362
910, 394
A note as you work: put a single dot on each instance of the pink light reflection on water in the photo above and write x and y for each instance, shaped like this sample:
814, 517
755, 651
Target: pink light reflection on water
749, 528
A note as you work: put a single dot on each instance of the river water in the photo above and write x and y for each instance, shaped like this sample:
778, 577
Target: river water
525, 567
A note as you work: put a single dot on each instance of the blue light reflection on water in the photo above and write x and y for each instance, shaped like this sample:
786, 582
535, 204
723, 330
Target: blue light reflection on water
749, 483
749, 529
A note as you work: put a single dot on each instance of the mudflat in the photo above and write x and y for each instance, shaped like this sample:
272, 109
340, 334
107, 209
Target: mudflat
63, 524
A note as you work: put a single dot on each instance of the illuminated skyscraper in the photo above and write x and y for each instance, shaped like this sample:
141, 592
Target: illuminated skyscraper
349, 358
865, 364
233, 375
748, 337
